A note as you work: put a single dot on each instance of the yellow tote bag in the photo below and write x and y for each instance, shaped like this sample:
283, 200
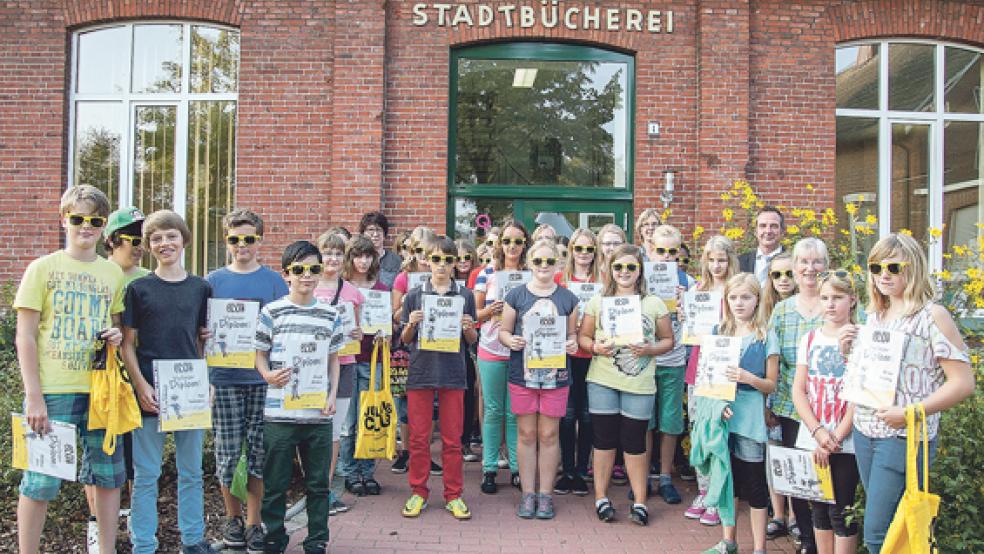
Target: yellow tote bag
112, 403
912, 528
377, 415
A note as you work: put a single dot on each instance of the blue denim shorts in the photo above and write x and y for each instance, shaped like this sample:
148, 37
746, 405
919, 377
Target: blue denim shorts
606, 400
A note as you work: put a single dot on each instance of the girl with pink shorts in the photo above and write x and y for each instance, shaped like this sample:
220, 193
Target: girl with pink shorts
539, 374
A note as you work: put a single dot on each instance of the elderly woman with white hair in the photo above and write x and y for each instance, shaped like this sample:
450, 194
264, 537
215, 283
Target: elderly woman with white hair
792, 319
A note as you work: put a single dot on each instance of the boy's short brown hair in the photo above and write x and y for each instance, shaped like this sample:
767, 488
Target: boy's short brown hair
166, 219
668, 232
84, 193
238, 217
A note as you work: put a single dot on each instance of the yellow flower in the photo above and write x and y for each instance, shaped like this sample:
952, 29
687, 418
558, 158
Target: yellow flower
809, 187
735, 233
856, 269
728, 214
842, 248
851, 208
973, 273
871, 219
935, 233
905, 232
725, 196
960, 250
698, 231
944, 275
793, 229
860, 198
845, 232
975, 359
815, 230
665, 215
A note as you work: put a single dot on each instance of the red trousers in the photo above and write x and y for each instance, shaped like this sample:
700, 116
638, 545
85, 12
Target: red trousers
420, 411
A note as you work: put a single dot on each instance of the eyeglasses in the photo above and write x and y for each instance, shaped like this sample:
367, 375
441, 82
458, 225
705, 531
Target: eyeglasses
79, 219
580, 249
894, 268
630, 267
300, 269
464, 258
671, 251
520, 241
543, 262
777, 274
135, 241
240, 240
447, 260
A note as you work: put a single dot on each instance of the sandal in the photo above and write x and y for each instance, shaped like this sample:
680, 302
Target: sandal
357, 488
776, 528
372, 487
639, 515
605, 511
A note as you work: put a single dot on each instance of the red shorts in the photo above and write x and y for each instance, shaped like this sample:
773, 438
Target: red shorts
549, 402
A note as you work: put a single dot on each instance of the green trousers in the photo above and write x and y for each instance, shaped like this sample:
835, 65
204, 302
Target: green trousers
281, 441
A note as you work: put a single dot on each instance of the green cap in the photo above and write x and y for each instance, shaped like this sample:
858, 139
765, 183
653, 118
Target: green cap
122, 218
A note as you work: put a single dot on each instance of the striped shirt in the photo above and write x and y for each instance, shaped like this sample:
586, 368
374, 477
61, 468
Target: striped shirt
282, 322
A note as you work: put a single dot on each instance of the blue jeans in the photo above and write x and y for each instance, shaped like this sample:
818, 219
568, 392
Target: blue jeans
348, 465
148, 448
881, 463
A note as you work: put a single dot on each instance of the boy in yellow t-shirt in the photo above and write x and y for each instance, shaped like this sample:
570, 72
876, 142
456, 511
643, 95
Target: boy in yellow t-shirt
66, 302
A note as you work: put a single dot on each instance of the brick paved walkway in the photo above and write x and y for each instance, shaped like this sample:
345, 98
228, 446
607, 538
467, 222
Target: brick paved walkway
374, 524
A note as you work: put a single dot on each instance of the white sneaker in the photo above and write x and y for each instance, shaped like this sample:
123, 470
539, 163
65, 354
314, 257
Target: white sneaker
92, 537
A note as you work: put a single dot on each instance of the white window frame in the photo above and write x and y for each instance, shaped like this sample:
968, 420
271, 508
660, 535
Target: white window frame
131, 100
936, 119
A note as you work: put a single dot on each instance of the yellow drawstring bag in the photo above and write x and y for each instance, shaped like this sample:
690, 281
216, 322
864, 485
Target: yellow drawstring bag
912, 528
112, 403
377, 417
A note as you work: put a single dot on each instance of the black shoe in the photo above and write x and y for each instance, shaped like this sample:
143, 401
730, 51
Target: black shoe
578, 486
402, 460
514, 479
234, 532
254, 539
639, 515
436, 469
687, 472
488, 483
563, 485
355, 486
605, 511
372, 487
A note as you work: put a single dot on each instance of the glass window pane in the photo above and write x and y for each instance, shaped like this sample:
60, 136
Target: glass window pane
534, 122
157, 58
214, 60
97, 147
472, 213
910, 179
857, 182
857, 76
963, 81
102, 60
211, 181
963, 185
153, 157
911, 77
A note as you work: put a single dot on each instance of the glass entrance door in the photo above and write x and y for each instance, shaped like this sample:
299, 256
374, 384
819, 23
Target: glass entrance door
566, 215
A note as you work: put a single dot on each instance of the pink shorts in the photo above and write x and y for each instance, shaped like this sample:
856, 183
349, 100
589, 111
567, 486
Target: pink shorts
549, 402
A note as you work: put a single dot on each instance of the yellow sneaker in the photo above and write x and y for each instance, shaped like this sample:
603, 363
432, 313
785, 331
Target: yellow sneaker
458, 509
415, 504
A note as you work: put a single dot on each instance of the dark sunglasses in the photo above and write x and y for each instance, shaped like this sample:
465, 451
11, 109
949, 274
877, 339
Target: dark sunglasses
239, 240
299, 269
418, 250
630, 267
840, 274
520, 241
894, 268
436, 259
579, 249
684, 261
465, 258
671, 251
485, 261
135, 241
79, 219
543, 262
490, 242
777, 274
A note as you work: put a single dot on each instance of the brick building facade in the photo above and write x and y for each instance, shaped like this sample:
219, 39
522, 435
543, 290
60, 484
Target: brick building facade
343, 105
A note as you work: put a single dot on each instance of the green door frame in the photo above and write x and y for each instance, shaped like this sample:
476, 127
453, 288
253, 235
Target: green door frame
614, 199
526, 210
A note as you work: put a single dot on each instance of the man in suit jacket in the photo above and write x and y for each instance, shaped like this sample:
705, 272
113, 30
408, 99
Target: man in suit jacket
770, 226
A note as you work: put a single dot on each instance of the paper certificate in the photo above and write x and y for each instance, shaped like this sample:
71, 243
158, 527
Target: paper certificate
702, 310
417, 279
717, 354
182, 395
583, 292
662, 280
346, 318
545, 337
377, 312
233, 327
621, 319
872, 371
53, 454
440, 330
307, 387
792, 472
506, 281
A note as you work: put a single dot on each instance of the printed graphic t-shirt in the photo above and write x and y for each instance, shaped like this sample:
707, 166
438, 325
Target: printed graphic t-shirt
623, 370
560, 303
76, 300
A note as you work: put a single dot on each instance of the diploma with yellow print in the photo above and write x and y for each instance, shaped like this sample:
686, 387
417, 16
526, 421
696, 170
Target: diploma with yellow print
545, 337
182, 395
233, 327
440, 331
307, 387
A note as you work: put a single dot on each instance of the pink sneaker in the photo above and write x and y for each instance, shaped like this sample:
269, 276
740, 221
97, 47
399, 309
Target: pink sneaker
710, 517
696, 508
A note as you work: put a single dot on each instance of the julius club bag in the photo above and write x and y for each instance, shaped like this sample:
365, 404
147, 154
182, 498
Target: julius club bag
911, 530
377, 415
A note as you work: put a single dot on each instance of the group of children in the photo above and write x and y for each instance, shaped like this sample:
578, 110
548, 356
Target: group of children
598, 412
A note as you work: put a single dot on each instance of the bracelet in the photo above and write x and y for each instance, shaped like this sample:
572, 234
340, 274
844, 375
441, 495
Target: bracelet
813, 433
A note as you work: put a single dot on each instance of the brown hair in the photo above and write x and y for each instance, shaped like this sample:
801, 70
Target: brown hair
770, 296
625, 250
595, 268
359, 245
499, 257
760, 323
163, 220
240, 216
717, 243
84, 193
